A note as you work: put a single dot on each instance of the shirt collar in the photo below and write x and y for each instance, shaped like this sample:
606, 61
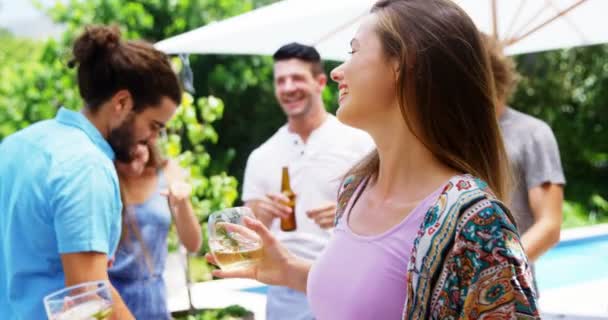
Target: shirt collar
78, 120
329, 121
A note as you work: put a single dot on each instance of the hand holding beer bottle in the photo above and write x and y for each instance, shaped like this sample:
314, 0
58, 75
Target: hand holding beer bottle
275, 205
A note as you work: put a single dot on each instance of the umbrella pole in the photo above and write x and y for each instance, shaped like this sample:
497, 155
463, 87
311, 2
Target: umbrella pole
494, 20
191, 308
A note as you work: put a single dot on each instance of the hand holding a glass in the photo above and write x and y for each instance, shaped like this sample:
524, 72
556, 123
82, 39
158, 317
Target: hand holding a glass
85, 301
244, 248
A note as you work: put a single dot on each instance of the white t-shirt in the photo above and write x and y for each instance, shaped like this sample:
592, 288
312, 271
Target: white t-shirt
315, 171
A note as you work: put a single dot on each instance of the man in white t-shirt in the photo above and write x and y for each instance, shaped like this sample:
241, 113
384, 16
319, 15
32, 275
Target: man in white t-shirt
318, 150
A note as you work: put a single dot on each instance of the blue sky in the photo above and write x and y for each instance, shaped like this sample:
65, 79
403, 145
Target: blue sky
22, 19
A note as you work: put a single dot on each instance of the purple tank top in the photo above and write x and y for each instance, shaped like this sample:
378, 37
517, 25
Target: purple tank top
364, 277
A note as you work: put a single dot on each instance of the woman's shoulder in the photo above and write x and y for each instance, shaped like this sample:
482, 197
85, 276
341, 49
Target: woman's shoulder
469, 198
466, 191
476, 207
485, 239
465, 187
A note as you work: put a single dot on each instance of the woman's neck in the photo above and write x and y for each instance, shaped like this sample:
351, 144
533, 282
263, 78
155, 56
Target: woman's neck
407, 170
138, 188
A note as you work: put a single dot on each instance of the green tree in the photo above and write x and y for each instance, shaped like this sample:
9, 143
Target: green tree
18, 65
235, 79
567, 89
564, 88
40, 82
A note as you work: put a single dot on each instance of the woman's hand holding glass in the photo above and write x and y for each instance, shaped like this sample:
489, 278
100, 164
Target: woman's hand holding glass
274, 265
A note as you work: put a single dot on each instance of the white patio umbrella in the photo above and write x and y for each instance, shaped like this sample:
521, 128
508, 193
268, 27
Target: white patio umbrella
525, 25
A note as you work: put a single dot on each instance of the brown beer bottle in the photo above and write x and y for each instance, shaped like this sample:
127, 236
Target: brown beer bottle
288, 224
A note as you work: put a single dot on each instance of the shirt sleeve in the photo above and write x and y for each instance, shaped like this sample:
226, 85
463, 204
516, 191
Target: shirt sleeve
252, 181
493, 278
542, 163
86, 214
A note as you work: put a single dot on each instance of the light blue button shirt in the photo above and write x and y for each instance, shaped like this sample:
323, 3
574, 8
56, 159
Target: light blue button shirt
59, 194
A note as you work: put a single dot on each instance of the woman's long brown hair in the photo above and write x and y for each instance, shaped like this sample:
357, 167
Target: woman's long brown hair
445, 88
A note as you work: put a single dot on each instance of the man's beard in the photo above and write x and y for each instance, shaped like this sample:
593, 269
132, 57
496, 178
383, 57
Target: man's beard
122, 140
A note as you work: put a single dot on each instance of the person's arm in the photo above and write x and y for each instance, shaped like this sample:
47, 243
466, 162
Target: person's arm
86, 218
265, 204
270, 207
544, 179
546, 205
324, 216
92, 266
264, 216
187, 225
278, 267
297, 272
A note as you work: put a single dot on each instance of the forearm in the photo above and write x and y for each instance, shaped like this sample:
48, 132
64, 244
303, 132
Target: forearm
546, 204
119, 308
187, 225
297, 274
540, 238
82, 267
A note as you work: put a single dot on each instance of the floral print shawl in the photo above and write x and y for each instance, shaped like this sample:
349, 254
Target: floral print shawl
467, 261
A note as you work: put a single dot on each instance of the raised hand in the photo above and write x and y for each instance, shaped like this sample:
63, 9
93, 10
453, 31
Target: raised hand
323, 216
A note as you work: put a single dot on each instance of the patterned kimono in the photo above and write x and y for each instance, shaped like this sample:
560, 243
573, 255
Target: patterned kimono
467, 261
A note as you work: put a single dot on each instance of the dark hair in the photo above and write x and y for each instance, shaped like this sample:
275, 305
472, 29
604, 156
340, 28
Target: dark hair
302, 52
106, 64
503, 68
444, 87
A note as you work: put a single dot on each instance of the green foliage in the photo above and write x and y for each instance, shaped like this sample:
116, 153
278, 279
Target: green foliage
191, 136
578, 215
574, 215
36, 82
25, 95
15, 50
199, 269
229, 313
212, 138
189, 131
566, 88
152, 20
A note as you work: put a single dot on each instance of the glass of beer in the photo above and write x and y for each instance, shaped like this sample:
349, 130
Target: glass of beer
231, 243
85, 301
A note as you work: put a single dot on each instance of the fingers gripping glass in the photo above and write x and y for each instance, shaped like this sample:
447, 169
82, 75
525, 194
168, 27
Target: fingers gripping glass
232, 244
89, 300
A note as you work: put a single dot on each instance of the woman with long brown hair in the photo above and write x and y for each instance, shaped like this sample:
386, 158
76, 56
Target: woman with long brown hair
421, 231
154, 192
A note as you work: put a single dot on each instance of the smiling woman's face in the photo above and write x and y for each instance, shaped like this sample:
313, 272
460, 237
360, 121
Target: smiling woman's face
367, 80
140, 155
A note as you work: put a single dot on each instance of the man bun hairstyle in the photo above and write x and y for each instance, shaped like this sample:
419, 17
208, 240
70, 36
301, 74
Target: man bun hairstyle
106, 64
